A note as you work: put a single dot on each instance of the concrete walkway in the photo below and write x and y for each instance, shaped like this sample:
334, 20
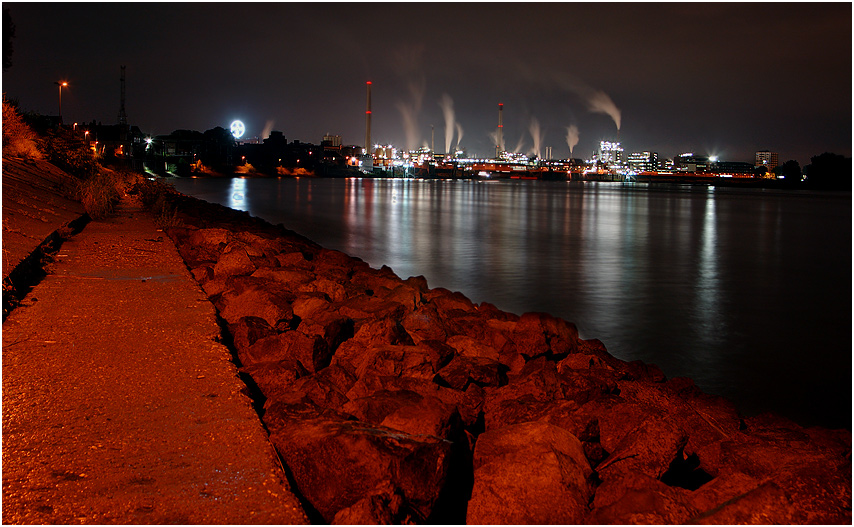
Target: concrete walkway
118, 404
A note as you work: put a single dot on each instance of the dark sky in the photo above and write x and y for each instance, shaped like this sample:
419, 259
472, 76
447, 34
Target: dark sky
722, 79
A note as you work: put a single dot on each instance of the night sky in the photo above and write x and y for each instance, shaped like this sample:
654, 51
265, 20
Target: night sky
718, 79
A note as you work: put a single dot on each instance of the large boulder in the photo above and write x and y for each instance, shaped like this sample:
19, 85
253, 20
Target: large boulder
351, 354
333, 328
582, 386
325, 389
818, 494
366, 307
397, 361
247, 296
462, 371
337, 464
234, 261
538, 382
382, 508
248, 330
333, 290
447, 301
425, 323
409, 412
640, 499
537, 334
470, 347
650, 449
292, 278
310, 351
274, 377
310, 305
468, 403
530, 473
205, 245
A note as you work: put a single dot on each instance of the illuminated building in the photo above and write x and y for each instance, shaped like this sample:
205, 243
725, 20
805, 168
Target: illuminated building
731, 167
690, 162
610, 154
333, 141
766, 158
643, 161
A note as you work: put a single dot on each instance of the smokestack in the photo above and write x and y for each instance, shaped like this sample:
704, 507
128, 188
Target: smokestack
432, 140
368, 123
500, 146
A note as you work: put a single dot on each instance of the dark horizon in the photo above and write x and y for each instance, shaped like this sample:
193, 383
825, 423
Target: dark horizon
717, 79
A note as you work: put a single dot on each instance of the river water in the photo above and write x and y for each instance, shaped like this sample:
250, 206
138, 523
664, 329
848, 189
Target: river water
746, 291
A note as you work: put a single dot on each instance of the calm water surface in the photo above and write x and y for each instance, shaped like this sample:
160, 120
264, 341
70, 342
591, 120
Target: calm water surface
748, 292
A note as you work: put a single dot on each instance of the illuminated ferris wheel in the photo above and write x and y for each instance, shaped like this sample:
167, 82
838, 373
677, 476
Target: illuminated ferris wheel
237, 129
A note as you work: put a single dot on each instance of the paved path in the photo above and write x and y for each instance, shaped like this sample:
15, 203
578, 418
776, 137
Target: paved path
118, 404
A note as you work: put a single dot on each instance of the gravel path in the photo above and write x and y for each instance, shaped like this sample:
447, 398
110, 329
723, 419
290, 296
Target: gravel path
119, 406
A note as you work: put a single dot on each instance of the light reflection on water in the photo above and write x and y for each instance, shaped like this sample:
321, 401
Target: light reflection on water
237, 195
746, 292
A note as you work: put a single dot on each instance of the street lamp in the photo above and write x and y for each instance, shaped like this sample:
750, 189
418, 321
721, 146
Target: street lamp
60, 84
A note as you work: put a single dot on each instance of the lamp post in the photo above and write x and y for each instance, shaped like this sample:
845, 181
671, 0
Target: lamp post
60, 84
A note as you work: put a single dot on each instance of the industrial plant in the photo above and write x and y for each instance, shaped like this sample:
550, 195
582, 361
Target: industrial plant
186, 152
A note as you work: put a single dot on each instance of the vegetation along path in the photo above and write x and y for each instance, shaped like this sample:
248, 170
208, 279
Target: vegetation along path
119, 404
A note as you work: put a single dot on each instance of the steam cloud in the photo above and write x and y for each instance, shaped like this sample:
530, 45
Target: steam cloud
571, 137
597, 101
447, 105
409, 112
459, 135
493, 135
268, 127
536, 135
520, 144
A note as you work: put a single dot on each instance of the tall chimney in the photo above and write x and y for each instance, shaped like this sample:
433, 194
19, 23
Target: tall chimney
368, 124
500, 146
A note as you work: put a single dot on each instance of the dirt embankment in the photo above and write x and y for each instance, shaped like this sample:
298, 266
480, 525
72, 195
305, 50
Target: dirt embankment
390, 401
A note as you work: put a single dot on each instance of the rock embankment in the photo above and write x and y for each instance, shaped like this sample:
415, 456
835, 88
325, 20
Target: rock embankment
390, 401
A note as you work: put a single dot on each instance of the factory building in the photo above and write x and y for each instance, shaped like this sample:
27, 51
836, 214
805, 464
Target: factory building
643, 161
610, 154
766, 158
690, 162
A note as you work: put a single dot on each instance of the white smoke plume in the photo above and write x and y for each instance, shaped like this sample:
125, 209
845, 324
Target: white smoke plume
268, 127
447, 105
459, 134
571, 137
536, 135
409, 112
493, 136
520, 144
597, 101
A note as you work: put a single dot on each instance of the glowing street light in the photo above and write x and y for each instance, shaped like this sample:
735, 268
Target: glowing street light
60, 84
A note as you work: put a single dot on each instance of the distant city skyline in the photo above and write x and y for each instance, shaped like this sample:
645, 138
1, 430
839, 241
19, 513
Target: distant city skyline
723, 80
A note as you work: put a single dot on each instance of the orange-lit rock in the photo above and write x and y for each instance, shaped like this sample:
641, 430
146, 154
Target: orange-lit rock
337, 464
378, 388
530, 473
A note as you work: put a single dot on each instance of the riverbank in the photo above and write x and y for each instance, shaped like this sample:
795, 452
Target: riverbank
119, 404
386, 400
392, 401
